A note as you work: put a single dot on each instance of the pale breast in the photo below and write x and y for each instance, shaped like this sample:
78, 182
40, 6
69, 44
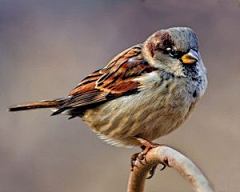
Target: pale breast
149, 114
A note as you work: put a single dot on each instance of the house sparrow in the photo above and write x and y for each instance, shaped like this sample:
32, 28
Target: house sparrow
145, 92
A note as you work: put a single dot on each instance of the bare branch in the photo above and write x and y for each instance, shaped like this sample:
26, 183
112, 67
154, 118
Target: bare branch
172, 158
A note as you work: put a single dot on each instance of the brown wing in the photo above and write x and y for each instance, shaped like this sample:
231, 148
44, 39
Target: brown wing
115, 80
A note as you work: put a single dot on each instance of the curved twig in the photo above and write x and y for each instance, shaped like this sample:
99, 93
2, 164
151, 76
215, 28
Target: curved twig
172, 158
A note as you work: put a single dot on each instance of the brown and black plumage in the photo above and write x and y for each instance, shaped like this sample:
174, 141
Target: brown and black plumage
113, 81
146, 91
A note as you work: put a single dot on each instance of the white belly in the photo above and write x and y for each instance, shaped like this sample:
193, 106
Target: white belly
149, 114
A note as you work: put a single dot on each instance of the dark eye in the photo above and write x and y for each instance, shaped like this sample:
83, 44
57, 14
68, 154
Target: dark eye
173, 53
170, 51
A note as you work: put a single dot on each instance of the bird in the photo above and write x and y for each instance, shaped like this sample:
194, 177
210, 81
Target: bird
145, 92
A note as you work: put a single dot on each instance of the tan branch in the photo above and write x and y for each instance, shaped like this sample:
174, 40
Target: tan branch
171, 158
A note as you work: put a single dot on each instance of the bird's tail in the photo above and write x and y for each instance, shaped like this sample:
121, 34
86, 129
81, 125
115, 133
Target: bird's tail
37, 105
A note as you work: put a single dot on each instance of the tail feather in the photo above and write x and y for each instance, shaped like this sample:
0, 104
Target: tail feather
37, 105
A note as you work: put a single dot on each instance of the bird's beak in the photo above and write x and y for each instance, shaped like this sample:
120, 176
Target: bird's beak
190, 58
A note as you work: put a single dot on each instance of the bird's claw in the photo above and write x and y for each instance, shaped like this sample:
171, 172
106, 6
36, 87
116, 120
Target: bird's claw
141, 157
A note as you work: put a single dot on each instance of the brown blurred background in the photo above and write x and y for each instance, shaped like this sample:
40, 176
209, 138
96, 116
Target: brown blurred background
47, 47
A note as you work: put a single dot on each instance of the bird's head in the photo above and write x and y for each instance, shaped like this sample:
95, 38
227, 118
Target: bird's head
174, 50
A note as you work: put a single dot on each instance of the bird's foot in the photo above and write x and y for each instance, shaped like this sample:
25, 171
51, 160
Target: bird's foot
141, 157
145, 146
153, 170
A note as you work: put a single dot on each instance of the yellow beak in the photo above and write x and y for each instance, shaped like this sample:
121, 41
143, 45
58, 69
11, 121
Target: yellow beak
190, 58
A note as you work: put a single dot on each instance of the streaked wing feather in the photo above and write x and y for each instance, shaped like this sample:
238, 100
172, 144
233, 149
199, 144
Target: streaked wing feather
115, 80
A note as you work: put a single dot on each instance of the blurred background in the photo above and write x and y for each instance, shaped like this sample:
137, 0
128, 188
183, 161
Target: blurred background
47, 47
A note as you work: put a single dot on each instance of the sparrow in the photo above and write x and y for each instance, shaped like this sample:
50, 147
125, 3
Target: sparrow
145, 92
